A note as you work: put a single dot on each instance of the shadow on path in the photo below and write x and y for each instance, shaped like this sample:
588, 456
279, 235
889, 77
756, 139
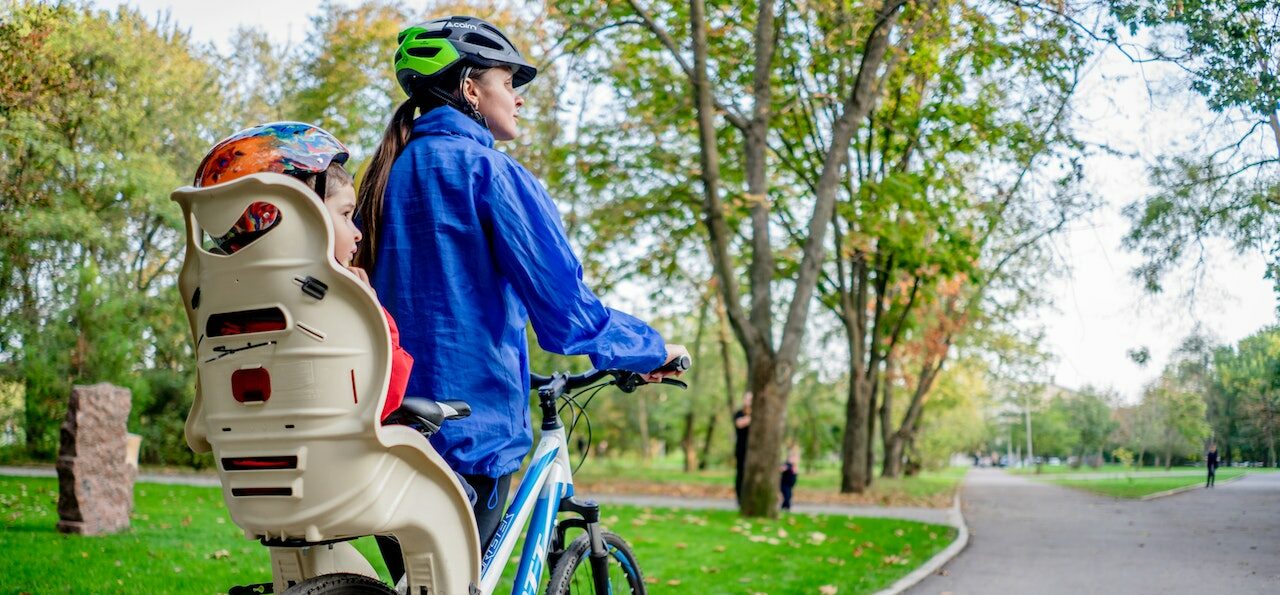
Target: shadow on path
1034, 537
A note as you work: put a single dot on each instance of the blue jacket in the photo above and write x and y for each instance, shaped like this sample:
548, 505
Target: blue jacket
471, 249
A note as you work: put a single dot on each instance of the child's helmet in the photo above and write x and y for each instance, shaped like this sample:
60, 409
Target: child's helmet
293, 148
428, 50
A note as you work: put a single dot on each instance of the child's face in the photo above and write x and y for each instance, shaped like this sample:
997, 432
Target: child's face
342, 207
497, 101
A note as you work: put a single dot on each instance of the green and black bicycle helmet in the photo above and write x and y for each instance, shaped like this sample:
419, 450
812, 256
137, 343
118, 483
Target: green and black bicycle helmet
428, 53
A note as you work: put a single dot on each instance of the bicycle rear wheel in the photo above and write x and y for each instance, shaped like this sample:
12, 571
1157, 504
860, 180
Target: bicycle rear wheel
572, 574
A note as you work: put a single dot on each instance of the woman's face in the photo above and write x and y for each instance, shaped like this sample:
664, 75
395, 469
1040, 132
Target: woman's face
497, 101
342, 205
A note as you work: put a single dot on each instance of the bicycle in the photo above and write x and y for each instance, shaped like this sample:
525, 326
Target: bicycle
550, 476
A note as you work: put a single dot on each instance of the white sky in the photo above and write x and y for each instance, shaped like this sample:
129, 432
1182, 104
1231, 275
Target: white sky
1100, 312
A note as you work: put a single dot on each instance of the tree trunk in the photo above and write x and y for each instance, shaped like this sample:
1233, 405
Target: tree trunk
686, 443
712, 421
853, 448
726, 366
642, 418
893, 450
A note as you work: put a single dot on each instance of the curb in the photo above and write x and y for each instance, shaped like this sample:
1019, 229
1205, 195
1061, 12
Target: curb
956, 518
1176, 491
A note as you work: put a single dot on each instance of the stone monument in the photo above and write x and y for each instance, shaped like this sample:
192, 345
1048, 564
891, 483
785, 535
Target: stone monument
95, 478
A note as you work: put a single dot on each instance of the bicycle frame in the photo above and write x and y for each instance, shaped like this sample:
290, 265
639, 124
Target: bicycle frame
550, 478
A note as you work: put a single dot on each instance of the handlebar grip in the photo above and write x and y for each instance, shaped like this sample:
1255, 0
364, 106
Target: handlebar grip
678, 364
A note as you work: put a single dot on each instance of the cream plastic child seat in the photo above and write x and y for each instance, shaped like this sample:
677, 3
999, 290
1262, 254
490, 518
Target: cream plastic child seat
294, 358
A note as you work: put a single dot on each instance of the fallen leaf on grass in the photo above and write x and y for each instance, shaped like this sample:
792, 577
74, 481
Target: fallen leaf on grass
673, 582
719, 548
681, 546
817, 537
220, 554
857, 552
828, 590
709, 570
898, 532
652, 580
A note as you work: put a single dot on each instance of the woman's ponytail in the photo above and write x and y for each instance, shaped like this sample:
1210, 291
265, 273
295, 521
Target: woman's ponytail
374, 184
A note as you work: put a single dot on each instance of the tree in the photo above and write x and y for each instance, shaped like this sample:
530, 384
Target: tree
719, 39
100, 117
1248, 376
1227, 48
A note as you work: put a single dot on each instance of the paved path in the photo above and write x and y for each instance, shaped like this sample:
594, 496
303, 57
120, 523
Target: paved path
1034, 537
924, 515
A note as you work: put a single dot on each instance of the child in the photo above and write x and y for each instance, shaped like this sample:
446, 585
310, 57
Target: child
314, 157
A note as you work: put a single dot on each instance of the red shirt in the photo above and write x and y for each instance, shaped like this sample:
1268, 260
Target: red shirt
401, 365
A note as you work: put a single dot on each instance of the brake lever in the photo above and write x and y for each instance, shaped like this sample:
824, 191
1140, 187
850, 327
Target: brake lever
629, 382
674, 382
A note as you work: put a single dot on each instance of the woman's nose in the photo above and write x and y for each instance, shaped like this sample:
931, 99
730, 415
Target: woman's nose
519, 100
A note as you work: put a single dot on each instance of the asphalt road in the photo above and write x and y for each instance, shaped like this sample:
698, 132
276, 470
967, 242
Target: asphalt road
1033, 537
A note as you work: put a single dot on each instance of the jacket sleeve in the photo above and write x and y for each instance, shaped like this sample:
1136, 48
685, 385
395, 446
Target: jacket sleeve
401, 366
534, 255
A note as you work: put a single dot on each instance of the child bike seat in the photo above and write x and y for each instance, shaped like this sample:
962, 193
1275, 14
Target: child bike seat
293, 364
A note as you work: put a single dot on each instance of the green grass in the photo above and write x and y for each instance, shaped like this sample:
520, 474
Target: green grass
1138, 486
182, 541
1113, 468
930, 487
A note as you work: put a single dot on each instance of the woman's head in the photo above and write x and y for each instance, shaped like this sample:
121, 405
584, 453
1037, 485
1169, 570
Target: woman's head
451, 61
493, 95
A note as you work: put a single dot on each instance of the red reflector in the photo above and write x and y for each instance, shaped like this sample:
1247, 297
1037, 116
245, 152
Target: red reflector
261, 491
251, 385
253, 463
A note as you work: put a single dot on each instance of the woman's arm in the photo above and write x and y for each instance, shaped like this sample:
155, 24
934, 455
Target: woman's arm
535, 257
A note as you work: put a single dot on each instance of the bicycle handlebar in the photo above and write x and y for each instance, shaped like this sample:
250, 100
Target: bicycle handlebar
627, 380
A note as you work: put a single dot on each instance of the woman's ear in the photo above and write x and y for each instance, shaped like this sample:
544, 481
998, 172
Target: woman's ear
471, 91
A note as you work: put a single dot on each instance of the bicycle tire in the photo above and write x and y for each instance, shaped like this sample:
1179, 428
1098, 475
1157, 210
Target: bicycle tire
342, 583
572, 573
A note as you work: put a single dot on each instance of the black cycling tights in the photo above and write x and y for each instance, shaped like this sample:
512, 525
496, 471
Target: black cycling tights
490, 503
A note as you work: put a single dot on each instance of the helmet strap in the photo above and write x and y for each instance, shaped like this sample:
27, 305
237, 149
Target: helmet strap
320, 185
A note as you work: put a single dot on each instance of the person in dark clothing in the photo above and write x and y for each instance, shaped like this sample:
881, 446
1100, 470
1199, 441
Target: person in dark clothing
741, 425
789, 476
1211, 461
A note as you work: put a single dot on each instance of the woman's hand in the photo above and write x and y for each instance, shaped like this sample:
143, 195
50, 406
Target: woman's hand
673, 352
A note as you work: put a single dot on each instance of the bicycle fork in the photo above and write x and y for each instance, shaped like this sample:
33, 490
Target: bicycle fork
589, 510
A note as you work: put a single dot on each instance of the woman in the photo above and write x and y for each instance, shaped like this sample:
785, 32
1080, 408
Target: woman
465, 247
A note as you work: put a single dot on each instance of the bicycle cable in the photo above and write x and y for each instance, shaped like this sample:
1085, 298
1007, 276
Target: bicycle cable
571, 401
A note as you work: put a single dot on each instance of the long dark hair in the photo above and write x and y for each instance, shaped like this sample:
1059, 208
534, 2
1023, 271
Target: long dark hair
374, 184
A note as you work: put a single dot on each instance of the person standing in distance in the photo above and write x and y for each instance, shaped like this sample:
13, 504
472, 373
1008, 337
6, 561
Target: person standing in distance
1211, 462
741, 427
466, 248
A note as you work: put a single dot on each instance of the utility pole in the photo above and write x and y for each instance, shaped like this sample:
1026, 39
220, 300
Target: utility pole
1026, 414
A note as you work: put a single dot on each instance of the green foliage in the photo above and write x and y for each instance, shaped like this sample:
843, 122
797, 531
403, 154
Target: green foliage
100, 117
1247, 403
1226, 48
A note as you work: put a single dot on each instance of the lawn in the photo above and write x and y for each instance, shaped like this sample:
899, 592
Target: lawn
182, 541
1114, 468
1136, 486
821, 485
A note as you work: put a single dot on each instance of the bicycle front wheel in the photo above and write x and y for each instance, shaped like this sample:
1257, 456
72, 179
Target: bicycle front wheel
572, 573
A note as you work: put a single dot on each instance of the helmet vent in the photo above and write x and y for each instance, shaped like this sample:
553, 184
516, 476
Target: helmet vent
438, 34
427, 52
481, 40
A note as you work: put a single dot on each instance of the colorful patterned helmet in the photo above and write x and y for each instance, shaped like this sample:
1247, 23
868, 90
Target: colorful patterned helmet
291, 148
428, 50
